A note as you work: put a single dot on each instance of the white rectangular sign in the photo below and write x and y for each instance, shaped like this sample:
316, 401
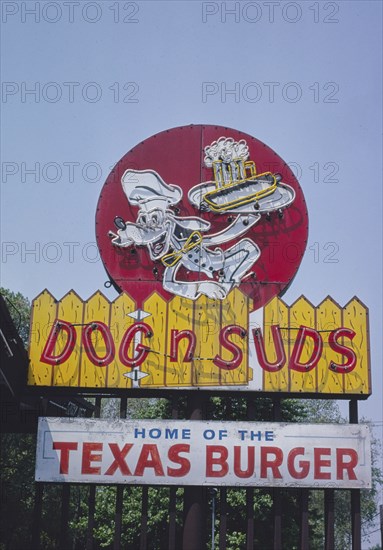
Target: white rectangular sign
163, 452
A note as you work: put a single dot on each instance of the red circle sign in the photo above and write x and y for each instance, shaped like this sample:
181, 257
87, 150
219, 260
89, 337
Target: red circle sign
198, 211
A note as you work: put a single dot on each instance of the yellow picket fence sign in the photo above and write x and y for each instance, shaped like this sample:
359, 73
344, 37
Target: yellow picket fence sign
168, 344
333, 355
180, 343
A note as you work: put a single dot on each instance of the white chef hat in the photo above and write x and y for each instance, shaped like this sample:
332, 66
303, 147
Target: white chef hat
147, 190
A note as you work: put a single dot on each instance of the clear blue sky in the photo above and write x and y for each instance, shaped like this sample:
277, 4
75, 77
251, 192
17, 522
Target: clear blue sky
305, 78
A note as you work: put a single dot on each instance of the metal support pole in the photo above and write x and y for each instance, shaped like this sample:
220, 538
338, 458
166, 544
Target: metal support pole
173, 491
38, 504
355, 520
304, 528
355, 493
92, 492
277, 512
277, 504
353, 411
249, 518
329, 519
64, 520
195, 497
223, 519
123, 407
37, 511
118, 517
213, 492
381, 525
172, 518
144, 518
91, 511
250, 490
119, 492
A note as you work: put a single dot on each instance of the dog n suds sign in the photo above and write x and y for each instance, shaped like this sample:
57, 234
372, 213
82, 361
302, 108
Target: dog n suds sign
201, 229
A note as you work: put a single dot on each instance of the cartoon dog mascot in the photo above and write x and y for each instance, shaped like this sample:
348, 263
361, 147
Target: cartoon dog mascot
183, 241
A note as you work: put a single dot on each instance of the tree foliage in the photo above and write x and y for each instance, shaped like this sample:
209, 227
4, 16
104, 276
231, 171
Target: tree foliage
20, 309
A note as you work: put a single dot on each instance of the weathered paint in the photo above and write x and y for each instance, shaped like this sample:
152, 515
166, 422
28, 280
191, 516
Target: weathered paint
201, 344
262, 454
177, 158
325, 318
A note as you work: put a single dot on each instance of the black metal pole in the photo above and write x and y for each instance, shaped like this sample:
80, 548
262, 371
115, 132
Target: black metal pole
329, 519
194, 531
64, 520
213, 493
250, 490
173, 490
249, 518
91, 512
144, 518
38, 502
304, 527
92, 493
277, 503
222, 518
381, 525
119, 492
277, 513
355, 493
118, 517
37, 512
172, 518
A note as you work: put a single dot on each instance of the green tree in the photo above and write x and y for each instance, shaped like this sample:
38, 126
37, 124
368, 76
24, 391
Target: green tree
17, 494
20, 309
16, 453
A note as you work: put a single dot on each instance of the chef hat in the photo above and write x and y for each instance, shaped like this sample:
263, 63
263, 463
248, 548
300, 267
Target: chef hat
147, 190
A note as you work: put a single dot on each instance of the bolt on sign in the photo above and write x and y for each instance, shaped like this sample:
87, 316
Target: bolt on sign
203, 453
201, 229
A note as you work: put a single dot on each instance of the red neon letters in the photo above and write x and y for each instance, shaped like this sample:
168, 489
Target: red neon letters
132, 352
140, 351
304, 334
